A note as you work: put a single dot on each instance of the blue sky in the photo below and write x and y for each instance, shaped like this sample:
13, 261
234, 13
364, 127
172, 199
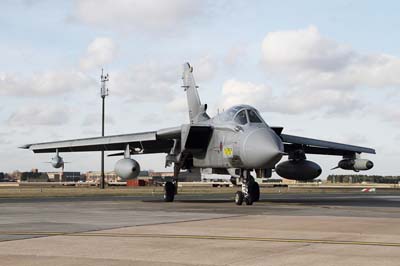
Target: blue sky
328, 70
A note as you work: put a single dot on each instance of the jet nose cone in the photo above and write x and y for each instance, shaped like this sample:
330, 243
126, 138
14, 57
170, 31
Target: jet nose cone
261, 148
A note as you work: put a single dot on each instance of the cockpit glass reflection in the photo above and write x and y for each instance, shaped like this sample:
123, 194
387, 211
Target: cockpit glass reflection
241, 118
253, 117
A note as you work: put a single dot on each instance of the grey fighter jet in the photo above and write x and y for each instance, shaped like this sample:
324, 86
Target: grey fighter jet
235, 142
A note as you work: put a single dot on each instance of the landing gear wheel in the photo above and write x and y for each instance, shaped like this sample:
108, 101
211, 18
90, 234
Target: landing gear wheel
233, 180
169, 192
239, 198
255, 191
249, 200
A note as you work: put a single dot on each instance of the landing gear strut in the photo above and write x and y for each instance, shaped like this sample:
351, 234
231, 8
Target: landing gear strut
169, 191
250, 190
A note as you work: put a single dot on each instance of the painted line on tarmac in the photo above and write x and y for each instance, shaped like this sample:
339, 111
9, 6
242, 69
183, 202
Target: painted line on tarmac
209, 237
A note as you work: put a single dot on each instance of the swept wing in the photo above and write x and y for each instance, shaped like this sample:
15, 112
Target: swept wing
145, 142
316, 146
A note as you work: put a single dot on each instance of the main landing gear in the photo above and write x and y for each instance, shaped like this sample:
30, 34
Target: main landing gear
171, 188
250, 190
169, 191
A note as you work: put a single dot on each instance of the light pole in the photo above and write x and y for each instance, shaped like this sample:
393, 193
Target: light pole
104, 93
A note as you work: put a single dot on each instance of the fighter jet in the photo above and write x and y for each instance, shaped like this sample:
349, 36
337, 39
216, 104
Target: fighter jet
236, 142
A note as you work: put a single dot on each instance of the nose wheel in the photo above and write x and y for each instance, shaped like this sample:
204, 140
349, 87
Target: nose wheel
239, 197
254, 189
250, 190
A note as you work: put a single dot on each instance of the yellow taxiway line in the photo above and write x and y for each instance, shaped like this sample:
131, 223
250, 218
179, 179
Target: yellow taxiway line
204, 237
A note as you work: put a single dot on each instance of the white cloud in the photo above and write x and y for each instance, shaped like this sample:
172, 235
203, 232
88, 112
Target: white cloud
177, 105
148, 82
306, 58
387, 113
234, 55
95, 119
304, 48
318, 74
355, 139
205, 68
236, 92
137, 14
101, 51
152, 118
292, 102
44, 115
5, 137
330, 102
43, 84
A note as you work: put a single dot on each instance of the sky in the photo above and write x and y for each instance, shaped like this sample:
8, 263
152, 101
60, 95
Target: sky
327, 70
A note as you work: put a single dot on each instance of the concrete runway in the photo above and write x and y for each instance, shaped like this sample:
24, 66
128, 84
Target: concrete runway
281, 229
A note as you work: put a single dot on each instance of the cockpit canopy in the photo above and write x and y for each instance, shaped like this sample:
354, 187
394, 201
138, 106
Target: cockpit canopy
241, 114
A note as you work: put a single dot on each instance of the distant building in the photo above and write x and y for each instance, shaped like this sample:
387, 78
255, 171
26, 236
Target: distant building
207, 175
34, 176
95, 176
54, 176
184, 176
65, 176
160, 176
15, 176
148, 176
4, 177
288, 181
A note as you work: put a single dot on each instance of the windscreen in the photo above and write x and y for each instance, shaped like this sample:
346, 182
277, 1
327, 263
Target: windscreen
241, 118
229, 114
253, 117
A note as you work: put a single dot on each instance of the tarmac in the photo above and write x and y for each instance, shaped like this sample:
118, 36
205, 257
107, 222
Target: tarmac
281, 229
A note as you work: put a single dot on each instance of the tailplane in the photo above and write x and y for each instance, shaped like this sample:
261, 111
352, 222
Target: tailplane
197, 111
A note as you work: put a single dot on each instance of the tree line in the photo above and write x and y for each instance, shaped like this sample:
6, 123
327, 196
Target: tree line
363, 178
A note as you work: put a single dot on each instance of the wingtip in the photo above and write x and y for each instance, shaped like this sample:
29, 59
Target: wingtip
26, 146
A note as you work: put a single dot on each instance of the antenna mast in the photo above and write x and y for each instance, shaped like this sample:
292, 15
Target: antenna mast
104, 79
103, 94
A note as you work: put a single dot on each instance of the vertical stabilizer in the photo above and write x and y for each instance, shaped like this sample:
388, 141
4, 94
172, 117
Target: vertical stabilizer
197, 111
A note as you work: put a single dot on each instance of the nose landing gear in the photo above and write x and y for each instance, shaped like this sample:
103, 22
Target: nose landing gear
254, 189
250, 190
239, 197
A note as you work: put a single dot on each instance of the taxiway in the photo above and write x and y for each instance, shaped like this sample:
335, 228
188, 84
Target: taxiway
281, 229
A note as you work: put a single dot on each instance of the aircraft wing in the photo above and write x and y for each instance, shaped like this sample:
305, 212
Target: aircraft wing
316, 146
160, 141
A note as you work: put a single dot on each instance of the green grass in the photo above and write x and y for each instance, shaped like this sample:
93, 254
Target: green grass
33, 191
28, 192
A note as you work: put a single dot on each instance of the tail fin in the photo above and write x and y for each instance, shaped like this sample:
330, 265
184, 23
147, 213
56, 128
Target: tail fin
197, 111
